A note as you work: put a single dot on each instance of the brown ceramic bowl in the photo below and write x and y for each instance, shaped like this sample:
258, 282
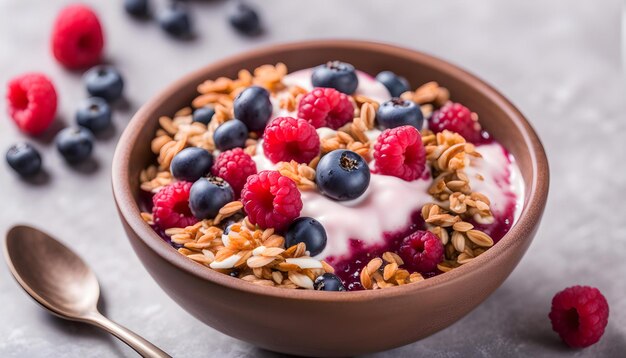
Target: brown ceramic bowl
332, 323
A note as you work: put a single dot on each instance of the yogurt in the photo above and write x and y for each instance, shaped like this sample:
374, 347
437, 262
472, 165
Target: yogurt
389, 202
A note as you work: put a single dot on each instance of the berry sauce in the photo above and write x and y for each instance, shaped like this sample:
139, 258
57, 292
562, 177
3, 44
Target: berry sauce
348, 267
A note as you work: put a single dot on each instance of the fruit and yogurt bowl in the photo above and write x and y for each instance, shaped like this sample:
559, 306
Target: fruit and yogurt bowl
380, 240
328, 178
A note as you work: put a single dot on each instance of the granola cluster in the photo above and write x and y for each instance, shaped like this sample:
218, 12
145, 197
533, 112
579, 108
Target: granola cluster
254, 255
386, 272
449, 154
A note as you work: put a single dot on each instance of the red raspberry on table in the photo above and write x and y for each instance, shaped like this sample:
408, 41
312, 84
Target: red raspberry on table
421, 251
399, 152
77, 39
271, 200
288, 138
579, 315
326, 107
32, 102
234, 166
457, 118
171, 206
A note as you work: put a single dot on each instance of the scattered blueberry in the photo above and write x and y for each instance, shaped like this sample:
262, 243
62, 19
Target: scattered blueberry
203, 114
94, 114
191, 164
208, 196
335, 74
328, 282
232, 134
75, 144
175, 20
396, 85
342, 175
24, 159
253, 107
105, 82
245, 19
309, 231
399, 112
137, 8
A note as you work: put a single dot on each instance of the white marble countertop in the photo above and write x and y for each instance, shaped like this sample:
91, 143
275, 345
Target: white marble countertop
559, 61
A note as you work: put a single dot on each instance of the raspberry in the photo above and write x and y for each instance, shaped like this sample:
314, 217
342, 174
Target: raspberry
399, 152
455, 117
579, 315
287, 138
171, 206
271, 200
326, 107
421, 251
234, 166
32, 102
77, 39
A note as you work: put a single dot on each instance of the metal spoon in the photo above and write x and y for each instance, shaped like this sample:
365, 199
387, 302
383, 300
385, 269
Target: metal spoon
60, 281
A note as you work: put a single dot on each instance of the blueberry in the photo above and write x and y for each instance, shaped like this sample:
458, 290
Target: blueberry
342, 175
191, 164
227, 228
232, 134
105, 82
245, 19
175, 20
335, 74
137, 8
399, 112
75, 144
203, 114
208, 195
328, 282
309, 231
396, 85
94, 114
228, 222
253, 107
24, 159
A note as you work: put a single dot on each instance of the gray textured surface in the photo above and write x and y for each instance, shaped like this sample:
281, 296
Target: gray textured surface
559, 61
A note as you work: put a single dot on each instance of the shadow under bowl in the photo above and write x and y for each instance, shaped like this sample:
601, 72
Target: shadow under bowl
316, 323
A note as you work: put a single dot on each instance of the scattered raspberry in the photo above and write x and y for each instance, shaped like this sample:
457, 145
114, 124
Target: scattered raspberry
271, 200
326, 107
234, 166
421, 251
399, 152
171, 206
32, 102
455, 117
287, 138
579, 315
77, 39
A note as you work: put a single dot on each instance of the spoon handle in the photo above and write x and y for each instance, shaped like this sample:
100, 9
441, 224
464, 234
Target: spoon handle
139, 344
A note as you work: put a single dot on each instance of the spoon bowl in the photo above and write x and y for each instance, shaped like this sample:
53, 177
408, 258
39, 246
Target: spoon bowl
69, 288
61, 281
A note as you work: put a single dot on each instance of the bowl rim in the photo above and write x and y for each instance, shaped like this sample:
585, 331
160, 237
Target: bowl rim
521, 230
